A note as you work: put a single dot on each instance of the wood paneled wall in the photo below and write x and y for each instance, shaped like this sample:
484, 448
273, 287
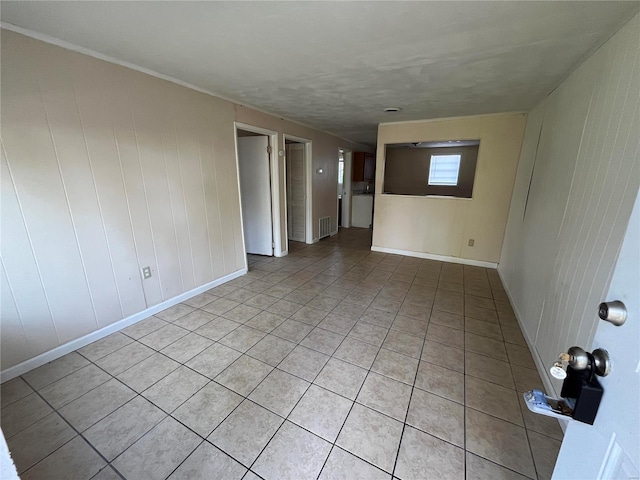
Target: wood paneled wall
577, 180
106, 170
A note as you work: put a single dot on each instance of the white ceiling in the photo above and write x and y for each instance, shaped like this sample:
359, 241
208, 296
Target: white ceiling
336, 65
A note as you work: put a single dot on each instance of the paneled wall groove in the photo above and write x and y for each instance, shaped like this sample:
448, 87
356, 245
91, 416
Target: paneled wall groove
156, 265
66, 196
217, 197
100, 210
193, 271
206, 213
39, 282
129, 217
106, 170
562, 254
5, 287
173, 215
101, 131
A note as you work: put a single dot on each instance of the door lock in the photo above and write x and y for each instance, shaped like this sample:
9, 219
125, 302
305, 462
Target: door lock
597, 362
581, 391
614, 312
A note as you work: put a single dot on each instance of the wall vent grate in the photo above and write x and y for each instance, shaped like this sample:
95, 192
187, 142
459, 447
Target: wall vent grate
325, 227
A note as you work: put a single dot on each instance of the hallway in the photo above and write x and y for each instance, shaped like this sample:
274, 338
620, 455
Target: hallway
332, 362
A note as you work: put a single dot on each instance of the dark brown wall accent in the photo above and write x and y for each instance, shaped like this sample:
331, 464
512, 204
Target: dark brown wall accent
406, 171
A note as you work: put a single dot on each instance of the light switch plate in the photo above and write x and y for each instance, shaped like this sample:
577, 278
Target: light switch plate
146, 272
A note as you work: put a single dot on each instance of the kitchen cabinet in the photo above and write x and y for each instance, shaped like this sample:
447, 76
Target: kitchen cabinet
364, 167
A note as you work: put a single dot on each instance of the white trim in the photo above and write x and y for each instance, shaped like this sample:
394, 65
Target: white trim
106, 58
69, 347
309, 166
346, 189
235, 144
275, 186
431, 256
338, 191
308, 172
540, 365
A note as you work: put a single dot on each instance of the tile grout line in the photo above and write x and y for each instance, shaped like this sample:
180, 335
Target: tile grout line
334, 444
413, 387
310, 383
78, 434
316, 272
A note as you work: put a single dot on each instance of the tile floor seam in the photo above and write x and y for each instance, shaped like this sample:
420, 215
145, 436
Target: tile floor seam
186, 458
502, 466
57, 380
88, 391
535, 466
154, 383
330, 356
78, 434
167, 416
347, 417
406, 415
276, 432
464, 399
321, 263
334, 445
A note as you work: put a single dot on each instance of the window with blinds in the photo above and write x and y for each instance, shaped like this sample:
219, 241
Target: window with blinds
444, 170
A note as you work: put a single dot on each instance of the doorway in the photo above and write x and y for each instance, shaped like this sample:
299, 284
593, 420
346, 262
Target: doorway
254, 147
298, 189
344, 188
296, 215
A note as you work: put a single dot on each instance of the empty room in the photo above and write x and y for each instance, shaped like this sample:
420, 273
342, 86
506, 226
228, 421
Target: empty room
320, 240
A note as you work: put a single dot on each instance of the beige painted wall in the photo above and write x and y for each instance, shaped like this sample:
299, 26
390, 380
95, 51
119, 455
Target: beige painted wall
106, 170
577, 181
443, 226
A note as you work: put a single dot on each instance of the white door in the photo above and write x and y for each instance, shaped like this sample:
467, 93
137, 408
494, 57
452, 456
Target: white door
255, 193
610, 449
296, 192
346, 191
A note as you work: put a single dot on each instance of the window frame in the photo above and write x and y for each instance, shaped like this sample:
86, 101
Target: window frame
431, 164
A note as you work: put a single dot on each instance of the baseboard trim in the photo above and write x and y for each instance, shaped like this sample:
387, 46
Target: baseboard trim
69, 347
431, 256
540, 365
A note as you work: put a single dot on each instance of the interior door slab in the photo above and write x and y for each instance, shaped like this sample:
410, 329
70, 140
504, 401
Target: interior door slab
255, 191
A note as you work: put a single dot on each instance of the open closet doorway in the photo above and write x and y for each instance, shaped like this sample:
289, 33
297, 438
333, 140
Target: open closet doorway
298, 188
344, 188
254, 152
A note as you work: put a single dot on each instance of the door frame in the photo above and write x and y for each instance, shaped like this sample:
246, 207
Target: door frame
346, 189
308, 200
273, 186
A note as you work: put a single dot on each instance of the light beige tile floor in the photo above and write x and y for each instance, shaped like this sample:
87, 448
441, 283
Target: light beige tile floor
333, 362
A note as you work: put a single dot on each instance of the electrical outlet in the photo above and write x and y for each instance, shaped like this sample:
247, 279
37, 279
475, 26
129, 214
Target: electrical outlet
146, 272
471, 242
